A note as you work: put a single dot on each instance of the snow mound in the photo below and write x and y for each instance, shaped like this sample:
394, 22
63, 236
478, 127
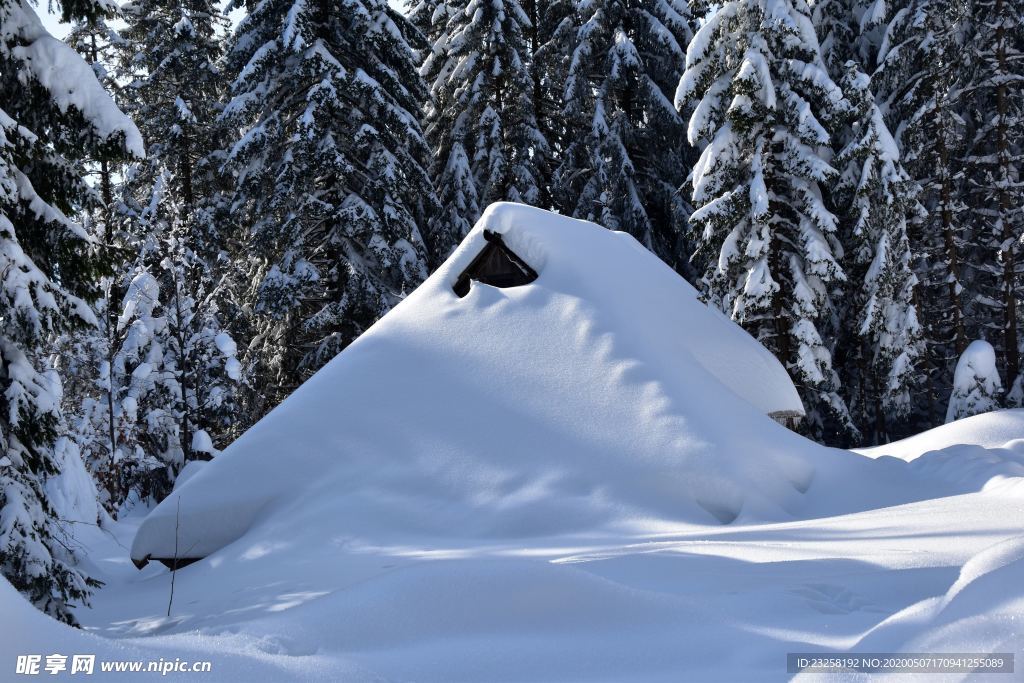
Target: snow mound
71, 492
989, 430
983, 452
981, 611
603, 396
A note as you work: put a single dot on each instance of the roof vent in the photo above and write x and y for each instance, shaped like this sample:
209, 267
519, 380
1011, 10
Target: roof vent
496, 265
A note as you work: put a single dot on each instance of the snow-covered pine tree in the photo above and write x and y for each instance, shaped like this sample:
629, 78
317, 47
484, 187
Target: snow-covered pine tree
424, 15
767, 243
330, 177
85, 355
917, 84
879, 337
976, 385
53, 114
621, 163
98, 42
154, 380
849, 30
995, 159
481, 120
876, 200
120, 420
169, 59
557, 37
552, 36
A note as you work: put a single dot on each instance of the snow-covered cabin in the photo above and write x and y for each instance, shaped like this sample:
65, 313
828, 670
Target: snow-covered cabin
547, 361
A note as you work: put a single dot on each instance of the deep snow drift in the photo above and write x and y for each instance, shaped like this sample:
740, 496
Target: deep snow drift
603, 396
695, 602
532, 484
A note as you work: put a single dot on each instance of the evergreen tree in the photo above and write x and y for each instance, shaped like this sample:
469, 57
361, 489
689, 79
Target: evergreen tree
552, 37
98, 42
557, 35
976, 385
621, 164
768, 244
153, 380
175, 89
481, 120
849, 31
53, 114
918, 84
995, 156
330, 184
880, 328
879, 337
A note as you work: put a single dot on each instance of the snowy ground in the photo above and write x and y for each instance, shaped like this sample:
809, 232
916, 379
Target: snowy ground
573, 480
708, 602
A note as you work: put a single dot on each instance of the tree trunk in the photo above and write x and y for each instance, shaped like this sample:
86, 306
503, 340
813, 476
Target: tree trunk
1008, 254
949, 236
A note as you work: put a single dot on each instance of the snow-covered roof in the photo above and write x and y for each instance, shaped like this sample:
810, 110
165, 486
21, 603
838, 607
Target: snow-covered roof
602, 391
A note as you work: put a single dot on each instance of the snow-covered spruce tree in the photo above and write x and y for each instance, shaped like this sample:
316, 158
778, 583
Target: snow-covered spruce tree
976, 385
556, 35
918, 87
552, 38
880, 332
330, 177
169, 59
849, 30
621, 161
121, 377
98, 42
161, 373
995, 159
456, 189
767, 243
481, 120
53, 113
879, 337
425, 15
161, 383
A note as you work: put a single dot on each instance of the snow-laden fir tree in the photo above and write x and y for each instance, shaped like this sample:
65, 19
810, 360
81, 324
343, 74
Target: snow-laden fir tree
875, 199
546, 72
161, 374
879, 337
98, 42
621, 161
425, 15
767, 242
331, 187
481, 119
993, 165
174, 90
120, 431
849, 30
976, 385
918, 87
152, 381
557, 36
53, 113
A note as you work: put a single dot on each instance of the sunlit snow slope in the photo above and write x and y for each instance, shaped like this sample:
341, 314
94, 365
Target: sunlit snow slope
602, 396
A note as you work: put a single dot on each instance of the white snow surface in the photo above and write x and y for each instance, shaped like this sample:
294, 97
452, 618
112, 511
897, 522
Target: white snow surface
298, 601
989, 431
530, 484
